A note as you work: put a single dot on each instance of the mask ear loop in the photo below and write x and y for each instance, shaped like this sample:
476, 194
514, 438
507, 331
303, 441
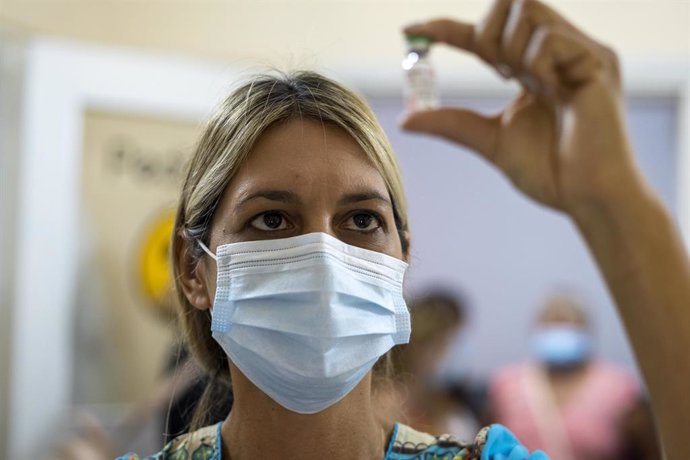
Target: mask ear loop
207, 250
213, 256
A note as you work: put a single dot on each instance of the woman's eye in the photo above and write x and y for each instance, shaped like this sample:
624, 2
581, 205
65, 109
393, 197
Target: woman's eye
269, 222
363, 222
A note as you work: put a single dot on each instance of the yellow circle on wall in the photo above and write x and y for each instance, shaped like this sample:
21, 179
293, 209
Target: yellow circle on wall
154, 262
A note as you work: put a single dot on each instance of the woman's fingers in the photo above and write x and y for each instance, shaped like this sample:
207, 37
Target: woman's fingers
506, 34
483, 40
489, 35
516, 35
559, 59
454, 33
465, 127
581, 69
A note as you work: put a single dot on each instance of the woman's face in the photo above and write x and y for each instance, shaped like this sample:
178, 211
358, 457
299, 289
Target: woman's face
303, 177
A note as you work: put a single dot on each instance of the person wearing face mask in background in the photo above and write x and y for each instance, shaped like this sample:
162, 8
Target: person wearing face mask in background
422, 398
566, 400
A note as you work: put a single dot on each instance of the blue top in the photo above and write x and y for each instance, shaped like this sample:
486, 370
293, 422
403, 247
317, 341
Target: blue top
492, 443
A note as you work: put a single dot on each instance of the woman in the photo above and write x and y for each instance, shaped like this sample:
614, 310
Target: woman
566, 400
418, 399
295, 191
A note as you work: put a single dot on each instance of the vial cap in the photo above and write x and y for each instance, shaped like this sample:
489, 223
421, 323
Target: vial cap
418, 42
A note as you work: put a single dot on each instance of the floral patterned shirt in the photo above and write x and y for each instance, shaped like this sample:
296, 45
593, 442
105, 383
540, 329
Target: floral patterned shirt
494, 442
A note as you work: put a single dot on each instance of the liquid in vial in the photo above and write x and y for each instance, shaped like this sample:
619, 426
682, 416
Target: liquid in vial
420, 89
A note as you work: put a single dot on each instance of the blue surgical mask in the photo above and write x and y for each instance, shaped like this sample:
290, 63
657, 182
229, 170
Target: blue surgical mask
306, 318
561, 345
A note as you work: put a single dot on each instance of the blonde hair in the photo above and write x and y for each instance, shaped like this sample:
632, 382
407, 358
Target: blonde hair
237, 124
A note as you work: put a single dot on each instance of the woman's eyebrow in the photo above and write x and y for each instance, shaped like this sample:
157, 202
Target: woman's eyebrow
363, 196
283, 196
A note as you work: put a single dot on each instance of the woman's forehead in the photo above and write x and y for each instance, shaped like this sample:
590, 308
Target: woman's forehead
297, 141
304, 155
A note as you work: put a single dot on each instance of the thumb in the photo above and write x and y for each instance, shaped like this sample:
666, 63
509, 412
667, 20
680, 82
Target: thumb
465, 127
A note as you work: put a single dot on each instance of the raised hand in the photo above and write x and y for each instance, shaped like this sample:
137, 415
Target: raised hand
563, 140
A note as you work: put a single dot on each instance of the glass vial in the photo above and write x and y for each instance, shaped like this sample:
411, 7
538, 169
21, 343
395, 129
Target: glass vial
420, 89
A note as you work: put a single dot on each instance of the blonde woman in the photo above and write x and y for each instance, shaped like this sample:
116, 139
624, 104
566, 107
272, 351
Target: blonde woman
292, 235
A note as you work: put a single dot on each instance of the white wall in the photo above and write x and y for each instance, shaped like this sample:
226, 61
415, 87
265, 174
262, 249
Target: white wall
11, 74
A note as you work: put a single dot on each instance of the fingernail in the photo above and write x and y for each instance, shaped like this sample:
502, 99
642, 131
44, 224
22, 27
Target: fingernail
406, 121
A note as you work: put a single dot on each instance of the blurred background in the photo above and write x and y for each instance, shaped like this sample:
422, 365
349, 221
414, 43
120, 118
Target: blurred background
101, 102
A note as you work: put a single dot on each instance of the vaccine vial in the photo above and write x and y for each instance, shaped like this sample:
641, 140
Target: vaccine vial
420, 90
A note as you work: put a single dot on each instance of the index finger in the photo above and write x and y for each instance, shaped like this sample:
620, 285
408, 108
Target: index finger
448, 31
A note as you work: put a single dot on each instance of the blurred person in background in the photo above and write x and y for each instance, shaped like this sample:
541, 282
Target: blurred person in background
179, 409
158, 417
421, 399
169, 410
567, 401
